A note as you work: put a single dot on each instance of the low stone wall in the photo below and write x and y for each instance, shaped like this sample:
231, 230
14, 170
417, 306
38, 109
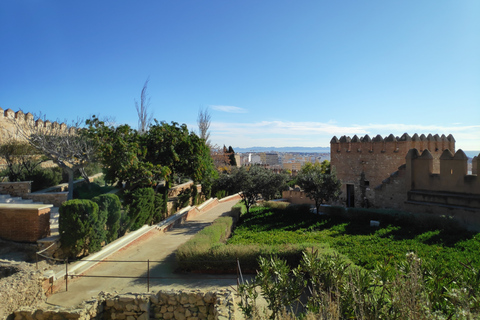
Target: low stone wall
209, 204
16, 189
185, 305
55, 198
175, 191
297, 197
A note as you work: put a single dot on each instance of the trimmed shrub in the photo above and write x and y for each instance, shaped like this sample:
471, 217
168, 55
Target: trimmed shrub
160, 209
188, 253
183, 199
194, 194
78, 226
220, 194
141, 209
109, 215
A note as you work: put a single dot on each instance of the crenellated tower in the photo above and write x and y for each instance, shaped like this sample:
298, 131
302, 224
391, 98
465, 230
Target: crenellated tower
363, 163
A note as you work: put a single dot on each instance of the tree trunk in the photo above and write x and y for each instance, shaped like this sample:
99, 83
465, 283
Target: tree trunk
70, 183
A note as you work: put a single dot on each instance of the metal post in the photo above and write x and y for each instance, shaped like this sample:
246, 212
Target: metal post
238, 280
66, 274
148, 275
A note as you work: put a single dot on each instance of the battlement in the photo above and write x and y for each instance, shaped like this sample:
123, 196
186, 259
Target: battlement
9, 117
453, 175
392, 144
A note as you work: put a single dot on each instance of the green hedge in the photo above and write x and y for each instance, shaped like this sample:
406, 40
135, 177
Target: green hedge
141, 208
79, 225
109, 213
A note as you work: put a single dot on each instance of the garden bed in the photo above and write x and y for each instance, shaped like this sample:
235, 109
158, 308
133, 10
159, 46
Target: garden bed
285, 232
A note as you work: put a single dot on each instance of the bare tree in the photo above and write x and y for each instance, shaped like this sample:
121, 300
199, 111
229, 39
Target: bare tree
68, 147
144, 116
203, 122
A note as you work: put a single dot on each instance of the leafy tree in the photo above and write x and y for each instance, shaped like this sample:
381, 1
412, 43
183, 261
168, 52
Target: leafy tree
323, 167
255, 183
69, 148
123, 155
319, 185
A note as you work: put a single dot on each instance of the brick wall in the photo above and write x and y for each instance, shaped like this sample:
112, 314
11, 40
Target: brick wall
28, 223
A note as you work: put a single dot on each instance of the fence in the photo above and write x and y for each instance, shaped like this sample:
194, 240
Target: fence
148, 277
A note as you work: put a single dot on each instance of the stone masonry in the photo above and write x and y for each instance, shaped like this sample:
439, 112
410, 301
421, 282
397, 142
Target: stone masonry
363, 163
179, 305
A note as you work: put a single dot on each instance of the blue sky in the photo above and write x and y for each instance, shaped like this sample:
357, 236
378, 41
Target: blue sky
272, 73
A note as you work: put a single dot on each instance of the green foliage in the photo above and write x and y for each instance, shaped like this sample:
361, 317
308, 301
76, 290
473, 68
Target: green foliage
43, 178
31, 171
183, 199
79, 225
333, 289
109, 214
220, 194
162, 152
253, 183
160, 208
91, 190
141, 208
231, 156
319, 183
194, 194
189, 253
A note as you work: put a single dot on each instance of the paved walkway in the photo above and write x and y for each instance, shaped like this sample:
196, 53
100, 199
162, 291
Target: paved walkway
155, 246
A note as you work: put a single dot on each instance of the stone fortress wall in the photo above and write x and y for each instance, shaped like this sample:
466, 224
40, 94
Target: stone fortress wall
415, 187
363, 163
8, 118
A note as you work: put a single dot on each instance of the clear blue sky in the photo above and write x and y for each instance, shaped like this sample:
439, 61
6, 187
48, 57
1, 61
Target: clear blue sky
272, 73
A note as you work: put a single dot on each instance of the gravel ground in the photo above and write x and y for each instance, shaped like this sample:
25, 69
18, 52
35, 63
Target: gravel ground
23, 288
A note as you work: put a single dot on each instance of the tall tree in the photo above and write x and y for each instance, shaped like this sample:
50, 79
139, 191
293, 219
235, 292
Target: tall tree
203, 121
142, 160
123, 153
231, 156
319, 185
144, 115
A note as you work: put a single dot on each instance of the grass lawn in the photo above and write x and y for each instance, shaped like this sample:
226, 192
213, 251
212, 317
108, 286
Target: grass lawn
364, 245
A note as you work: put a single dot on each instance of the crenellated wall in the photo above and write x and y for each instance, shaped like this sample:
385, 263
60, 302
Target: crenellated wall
9, 117
363, 163
415, 187
453, 186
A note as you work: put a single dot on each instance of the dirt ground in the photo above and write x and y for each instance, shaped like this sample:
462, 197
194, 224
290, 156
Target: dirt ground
20, 281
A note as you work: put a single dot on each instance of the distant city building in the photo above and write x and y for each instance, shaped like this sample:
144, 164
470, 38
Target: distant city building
292, 166
271, 159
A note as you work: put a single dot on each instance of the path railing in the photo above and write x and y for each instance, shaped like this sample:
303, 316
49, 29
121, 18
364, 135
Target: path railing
148, 276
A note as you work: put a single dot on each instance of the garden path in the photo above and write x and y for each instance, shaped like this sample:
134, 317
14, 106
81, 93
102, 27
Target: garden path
155, 246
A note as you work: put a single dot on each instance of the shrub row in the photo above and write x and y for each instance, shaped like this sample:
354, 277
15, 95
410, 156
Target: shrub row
394, 217
207, 251
96, 222
85, 225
